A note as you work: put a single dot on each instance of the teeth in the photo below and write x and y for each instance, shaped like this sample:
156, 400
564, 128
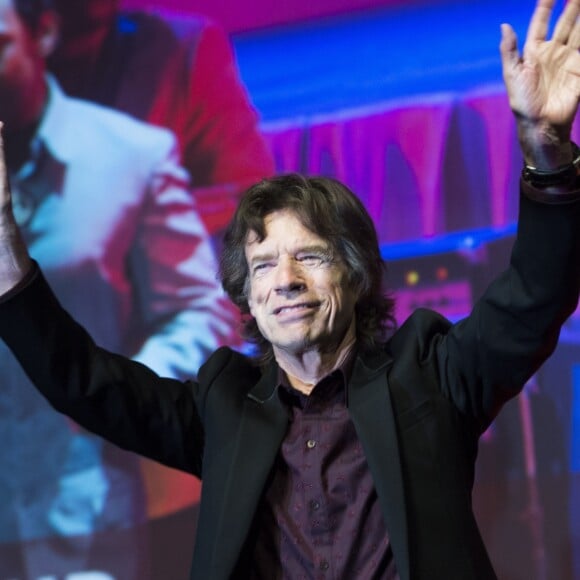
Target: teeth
287, 308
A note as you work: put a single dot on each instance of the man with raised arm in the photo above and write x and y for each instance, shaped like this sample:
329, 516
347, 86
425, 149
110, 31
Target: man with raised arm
344, 448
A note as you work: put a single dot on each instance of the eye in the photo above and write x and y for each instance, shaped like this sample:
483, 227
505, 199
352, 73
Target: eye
311, 260
261, 268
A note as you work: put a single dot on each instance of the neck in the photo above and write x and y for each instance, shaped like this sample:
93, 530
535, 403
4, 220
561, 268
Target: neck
21, 124
306, 369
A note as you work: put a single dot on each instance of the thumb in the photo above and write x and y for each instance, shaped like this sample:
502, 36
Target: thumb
4, 185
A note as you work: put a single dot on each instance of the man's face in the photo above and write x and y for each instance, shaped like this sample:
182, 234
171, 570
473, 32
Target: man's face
21, 69
298, 290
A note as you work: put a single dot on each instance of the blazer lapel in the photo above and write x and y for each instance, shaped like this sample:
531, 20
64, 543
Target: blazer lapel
371, 410
262, 427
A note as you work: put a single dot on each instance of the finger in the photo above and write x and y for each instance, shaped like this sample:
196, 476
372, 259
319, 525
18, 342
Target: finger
4, 185
508, 47
540, 21
2, 163
574, 40
566, 22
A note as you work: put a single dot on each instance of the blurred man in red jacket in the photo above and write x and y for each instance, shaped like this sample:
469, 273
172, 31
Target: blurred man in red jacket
179, 73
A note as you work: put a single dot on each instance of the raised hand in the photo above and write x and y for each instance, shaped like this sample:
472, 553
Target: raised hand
543, 84
14, 259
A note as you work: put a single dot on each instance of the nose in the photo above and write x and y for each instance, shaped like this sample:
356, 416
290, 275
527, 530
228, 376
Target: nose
289, 277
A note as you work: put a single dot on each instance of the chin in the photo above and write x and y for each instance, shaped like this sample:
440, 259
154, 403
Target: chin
294, 346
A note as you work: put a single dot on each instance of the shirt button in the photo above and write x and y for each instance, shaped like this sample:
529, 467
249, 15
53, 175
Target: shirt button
324, 565
311, 444
315, 505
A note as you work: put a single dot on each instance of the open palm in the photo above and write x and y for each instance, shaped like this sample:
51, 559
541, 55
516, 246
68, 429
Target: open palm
543, 84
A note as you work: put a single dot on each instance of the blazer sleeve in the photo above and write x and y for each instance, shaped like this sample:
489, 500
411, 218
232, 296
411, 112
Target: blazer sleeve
110, 395
485, 359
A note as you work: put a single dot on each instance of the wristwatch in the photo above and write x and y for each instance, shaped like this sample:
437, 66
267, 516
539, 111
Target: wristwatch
564, 175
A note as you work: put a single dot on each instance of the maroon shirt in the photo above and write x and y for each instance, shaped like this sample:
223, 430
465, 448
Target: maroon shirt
320, 517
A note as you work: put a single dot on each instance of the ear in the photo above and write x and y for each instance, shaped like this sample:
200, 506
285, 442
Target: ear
47, 33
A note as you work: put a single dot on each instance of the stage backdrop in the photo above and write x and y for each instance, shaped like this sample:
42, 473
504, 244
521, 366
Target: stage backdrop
254, 14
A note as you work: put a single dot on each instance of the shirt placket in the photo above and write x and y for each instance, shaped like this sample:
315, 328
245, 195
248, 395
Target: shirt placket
317, 443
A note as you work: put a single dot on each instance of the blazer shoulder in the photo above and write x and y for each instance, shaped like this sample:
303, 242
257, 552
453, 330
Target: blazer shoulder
228, 366
422, 326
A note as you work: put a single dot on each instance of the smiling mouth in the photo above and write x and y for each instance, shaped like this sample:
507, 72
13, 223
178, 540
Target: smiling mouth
296, 308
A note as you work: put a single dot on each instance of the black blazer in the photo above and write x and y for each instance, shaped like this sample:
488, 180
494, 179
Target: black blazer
418, 406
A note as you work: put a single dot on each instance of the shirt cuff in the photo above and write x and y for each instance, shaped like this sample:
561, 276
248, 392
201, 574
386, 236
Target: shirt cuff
30, 276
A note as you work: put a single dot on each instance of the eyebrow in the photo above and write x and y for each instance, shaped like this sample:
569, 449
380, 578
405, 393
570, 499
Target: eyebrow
261, 258
317, 249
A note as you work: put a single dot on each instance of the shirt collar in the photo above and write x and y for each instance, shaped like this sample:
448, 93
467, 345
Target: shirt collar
342, 374
53, 134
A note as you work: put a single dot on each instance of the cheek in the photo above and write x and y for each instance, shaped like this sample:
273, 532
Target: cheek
251, 306
255, 298
251, 303
345, 298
